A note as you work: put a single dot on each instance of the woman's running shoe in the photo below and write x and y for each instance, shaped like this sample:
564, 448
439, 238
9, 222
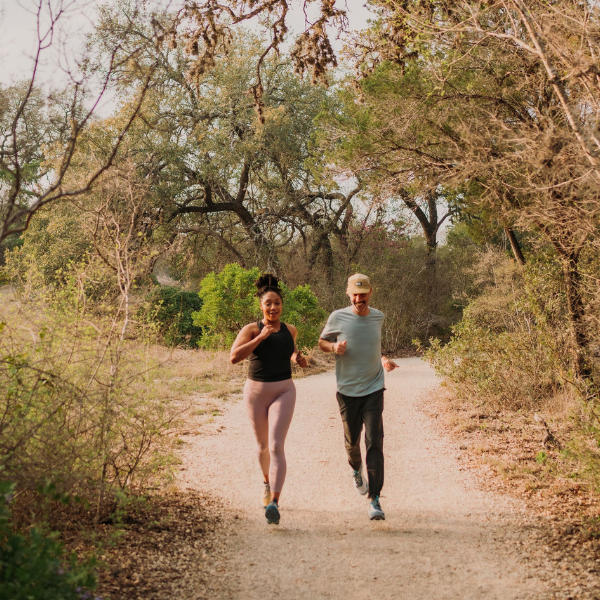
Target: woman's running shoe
272, 513
375, 512
266, 495
359, 482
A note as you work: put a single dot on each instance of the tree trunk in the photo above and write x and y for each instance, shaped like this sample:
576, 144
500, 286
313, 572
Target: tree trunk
322, 245
576, 311
261, 243
514, 244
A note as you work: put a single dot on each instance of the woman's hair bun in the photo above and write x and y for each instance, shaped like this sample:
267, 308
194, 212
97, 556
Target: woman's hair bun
267, 282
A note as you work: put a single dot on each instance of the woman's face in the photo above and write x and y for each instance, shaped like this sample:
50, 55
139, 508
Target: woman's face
271, 306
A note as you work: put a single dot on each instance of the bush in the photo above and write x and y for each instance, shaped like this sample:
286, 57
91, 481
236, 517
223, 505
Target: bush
171, 310
33, 566
79, 408
513, 344
229, 303
54, 240
301, 308
514, 350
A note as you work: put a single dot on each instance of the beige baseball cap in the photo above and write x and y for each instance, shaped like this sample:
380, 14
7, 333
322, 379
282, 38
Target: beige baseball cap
358, 284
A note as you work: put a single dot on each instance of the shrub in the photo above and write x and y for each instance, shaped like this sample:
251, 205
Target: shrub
171, 309
54, 240
514, 350
33, 566
229, 302
79, 408
513, 343
301, 308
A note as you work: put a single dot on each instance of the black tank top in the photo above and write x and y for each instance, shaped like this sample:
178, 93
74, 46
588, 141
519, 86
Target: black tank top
270, 360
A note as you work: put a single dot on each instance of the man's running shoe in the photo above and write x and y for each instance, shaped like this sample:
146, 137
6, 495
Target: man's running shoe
375, 512
266, 495
272, 513
359, 482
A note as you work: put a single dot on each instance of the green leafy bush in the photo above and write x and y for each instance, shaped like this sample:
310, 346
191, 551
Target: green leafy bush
301, 308
79, 408
229, 303
54, 240
34, 567
171, 309
513, 343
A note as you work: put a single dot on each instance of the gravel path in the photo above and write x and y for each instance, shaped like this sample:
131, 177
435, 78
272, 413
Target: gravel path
442, 537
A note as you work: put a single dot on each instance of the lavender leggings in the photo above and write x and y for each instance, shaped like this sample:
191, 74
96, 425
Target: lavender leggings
270, 407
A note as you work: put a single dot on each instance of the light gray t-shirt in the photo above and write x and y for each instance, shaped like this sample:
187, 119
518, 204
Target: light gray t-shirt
359, 371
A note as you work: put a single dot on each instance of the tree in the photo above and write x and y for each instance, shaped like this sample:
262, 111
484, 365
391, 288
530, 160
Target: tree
205, 27
492, 100
40, 129
252, 182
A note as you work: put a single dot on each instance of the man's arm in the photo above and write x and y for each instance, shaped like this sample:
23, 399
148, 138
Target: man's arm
327, 346
332, 331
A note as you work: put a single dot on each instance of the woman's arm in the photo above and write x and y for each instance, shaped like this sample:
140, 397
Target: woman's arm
247, 339
297, 357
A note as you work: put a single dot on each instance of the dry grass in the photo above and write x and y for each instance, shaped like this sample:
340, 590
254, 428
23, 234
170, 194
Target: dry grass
507, 448
512, 442
182, 373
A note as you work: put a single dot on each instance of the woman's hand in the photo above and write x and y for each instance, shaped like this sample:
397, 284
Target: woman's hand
265, 332
388, 365
297, 356
300, 359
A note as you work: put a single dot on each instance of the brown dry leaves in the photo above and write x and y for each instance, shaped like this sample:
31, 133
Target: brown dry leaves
561, 514
171, 547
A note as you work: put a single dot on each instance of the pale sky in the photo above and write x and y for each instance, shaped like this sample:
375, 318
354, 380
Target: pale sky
18, 34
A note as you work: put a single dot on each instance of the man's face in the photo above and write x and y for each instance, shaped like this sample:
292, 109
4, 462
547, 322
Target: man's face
360, 302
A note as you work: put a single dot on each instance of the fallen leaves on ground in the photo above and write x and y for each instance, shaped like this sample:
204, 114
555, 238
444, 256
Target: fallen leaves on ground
505, 452
173, 546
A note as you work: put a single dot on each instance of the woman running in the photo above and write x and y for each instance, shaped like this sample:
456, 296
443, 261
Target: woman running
269, 392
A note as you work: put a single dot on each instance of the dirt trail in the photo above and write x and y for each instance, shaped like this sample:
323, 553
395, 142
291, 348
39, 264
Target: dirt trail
442, 537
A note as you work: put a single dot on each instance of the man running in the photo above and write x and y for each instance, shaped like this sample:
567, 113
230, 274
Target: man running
354, 334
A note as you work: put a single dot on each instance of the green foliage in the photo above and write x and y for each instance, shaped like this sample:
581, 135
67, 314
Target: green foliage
171, 310
54, 240
301, 308
229, 302
79, 408
513, 344
33, 566
56, 258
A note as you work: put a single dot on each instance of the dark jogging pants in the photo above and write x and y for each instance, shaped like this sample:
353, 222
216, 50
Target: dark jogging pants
355, 412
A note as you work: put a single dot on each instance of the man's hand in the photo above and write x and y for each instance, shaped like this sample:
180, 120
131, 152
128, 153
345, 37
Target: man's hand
339, 347
301, 360
388, 365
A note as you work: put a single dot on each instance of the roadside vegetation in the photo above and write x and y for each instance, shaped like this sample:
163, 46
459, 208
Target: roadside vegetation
454, 159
